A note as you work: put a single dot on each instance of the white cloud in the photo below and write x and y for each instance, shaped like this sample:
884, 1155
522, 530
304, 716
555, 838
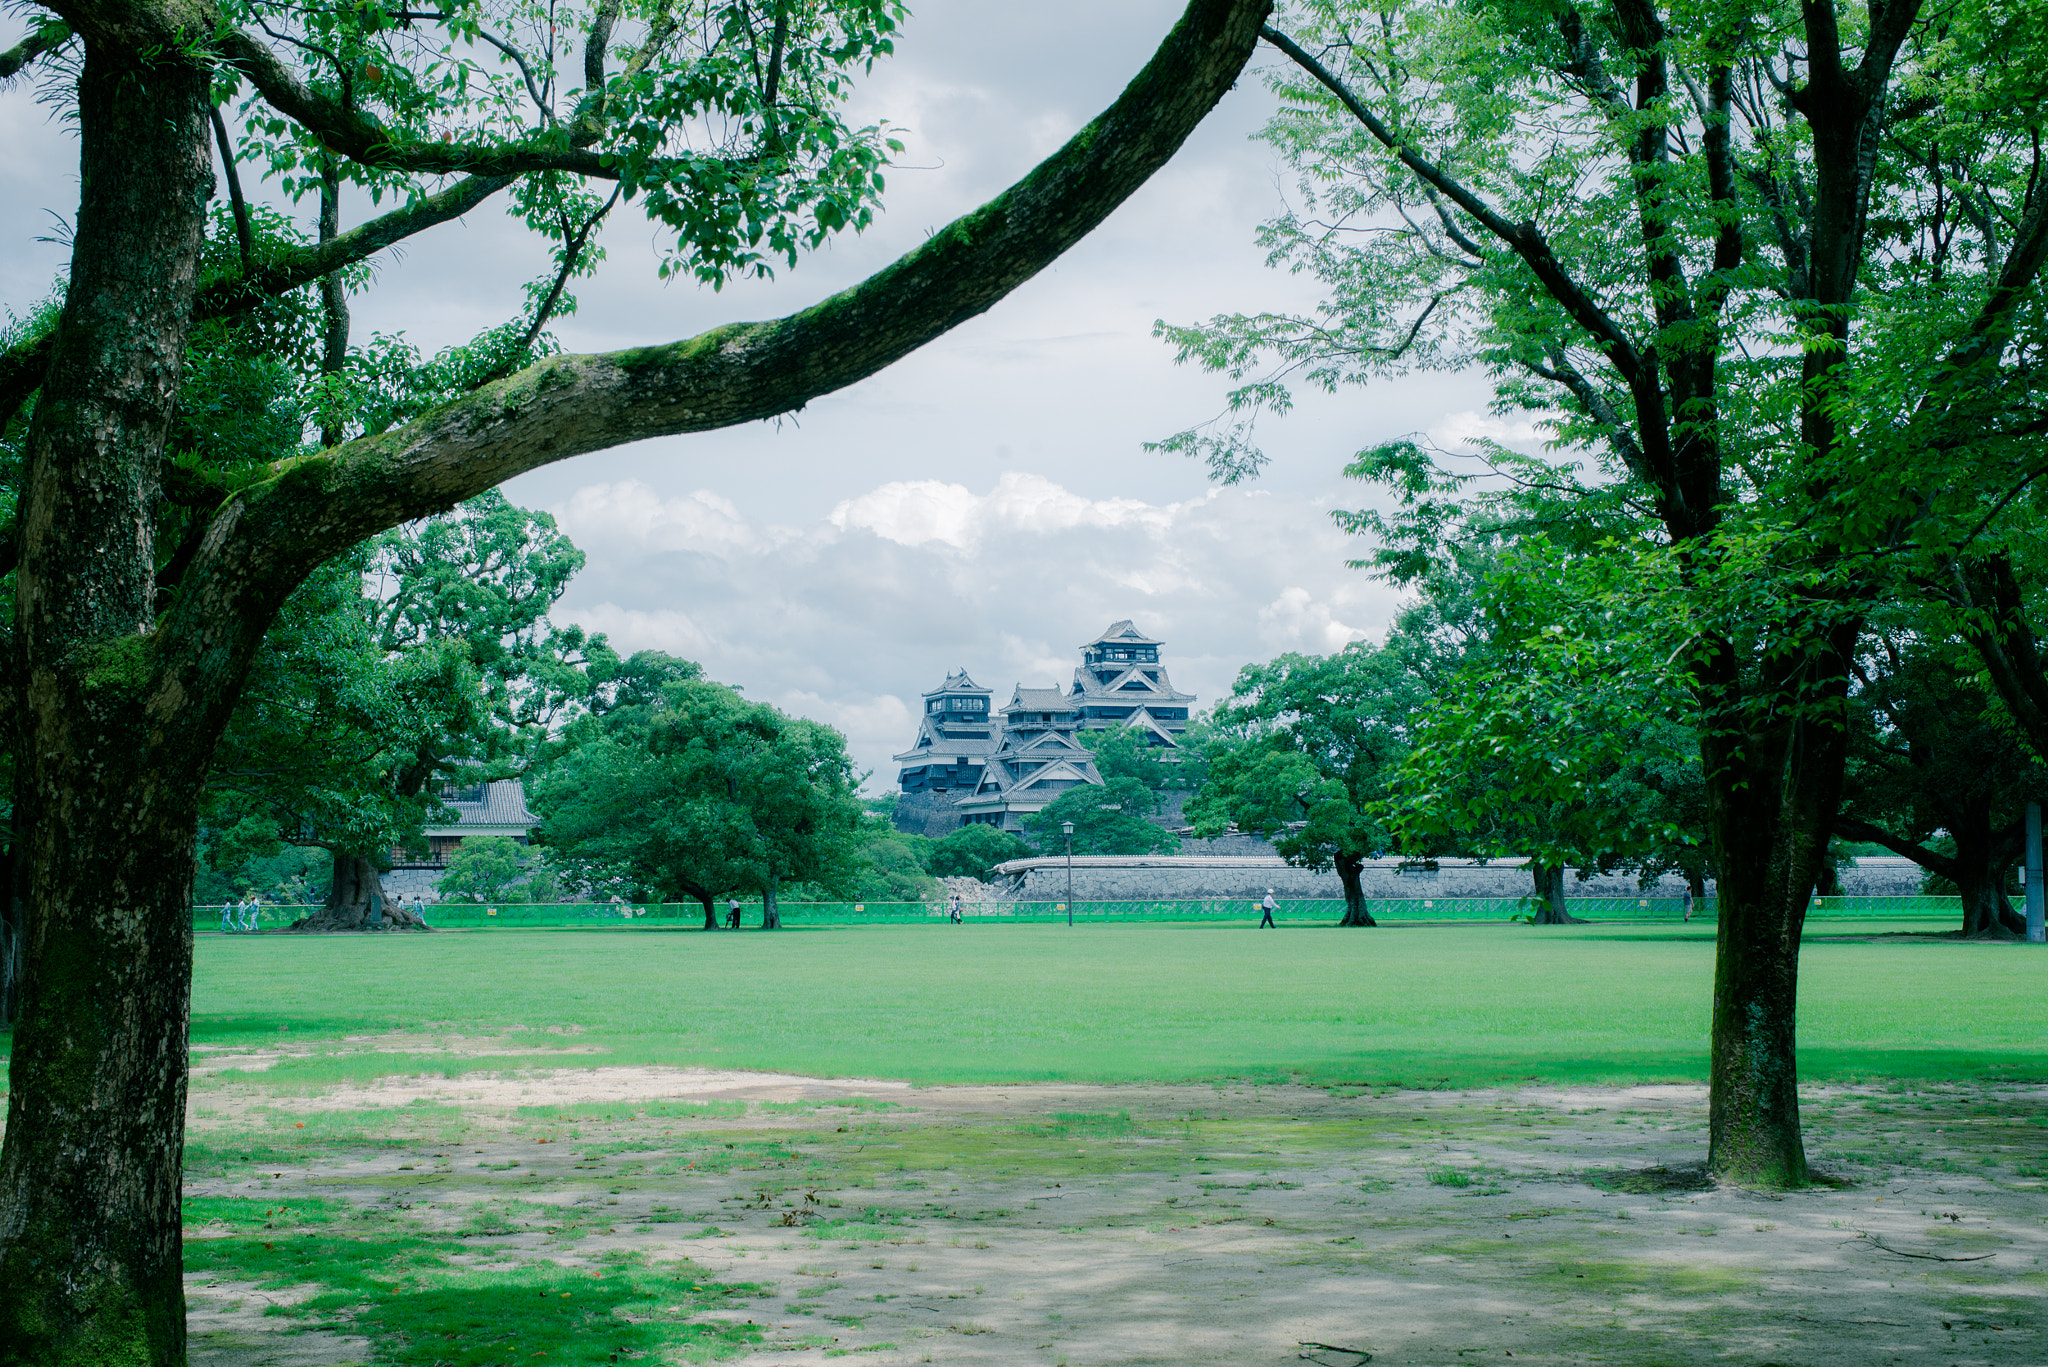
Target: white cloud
631, 512
1296, 620
1454, 431
632, 629
914, 512
847, 617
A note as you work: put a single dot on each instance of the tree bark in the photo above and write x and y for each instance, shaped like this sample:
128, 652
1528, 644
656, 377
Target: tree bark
356, 900
90, 1169
13, 908
704, 895
1773, 792
771, 919
1355, 914
333, 291
1549, 899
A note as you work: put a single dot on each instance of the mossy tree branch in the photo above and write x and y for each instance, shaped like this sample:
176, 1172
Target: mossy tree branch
268, 536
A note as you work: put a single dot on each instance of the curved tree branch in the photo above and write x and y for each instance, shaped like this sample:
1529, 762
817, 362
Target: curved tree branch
267, 537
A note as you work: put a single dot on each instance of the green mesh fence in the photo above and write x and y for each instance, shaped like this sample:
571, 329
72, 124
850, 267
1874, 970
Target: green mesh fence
591, 915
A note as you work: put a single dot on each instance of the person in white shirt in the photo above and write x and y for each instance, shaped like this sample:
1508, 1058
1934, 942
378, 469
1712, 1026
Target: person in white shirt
1266, 909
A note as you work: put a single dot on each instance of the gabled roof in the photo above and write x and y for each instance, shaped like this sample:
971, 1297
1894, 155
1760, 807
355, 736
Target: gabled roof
1145, 721
956, 683
1052, 740
502, 805
1088, 685
1038, 700
932, 742
1051, 772
1123, 634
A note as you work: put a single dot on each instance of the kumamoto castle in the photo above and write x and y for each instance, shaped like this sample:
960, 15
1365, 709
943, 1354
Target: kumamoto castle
967, 766
972, 764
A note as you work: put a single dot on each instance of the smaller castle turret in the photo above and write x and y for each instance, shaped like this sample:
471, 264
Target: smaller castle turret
955, 736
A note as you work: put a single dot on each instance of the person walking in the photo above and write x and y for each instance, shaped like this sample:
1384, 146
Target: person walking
953, 911
1267, 907
252, 910
1688, 902
227, 918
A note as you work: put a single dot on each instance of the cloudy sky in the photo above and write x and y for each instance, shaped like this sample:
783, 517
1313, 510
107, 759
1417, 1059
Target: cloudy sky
984, 504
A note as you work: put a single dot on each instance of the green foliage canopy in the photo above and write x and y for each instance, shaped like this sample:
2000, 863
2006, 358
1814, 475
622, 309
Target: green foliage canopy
1109, 819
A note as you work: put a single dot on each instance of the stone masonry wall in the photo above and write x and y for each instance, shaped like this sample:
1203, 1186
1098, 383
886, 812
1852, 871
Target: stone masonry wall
1183, 878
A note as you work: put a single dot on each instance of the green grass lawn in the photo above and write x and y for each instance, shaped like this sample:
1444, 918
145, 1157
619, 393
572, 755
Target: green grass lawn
1447, 1005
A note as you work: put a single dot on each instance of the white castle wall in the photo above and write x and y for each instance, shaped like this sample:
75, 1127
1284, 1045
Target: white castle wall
1112, 878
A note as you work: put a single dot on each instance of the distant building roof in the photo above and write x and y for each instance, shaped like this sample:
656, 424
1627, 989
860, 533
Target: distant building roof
1122, 633
500, 809
1039, 700
957, 683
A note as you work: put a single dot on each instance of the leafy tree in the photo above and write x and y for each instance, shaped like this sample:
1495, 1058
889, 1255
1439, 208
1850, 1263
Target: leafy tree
1720, 255
1306, 752
891, 866
1127, 752
1933, 753
294, 875
135, 631
1548, 733
359, 701
496, 868
972, 851
699, 792
1109, 819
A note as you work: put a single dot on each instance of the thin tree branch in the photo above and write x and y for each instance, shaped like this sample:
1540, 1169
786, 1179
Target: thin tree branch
244, 237
1529, 243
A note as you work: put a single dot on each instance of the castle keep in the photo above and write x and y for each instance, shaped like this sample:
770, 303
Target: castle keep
969, 765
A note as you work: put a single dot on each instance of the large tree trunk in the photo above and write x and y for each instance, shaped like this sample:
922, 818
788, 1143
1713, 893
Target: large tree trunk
1981, 875
1980, 867
356, 900
1773, 792
1549, 900
771, 919
705, 896
89, 1174
1355, 914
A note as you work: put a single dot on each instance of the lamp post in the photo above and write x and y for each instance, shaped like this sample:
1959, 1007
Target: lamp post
1068, 827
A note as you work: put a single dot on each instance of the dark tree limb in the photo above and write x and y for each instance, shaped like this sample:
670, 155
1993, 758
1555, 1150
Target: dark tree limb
1851, 828
333, 291
346, 130
1995, 624
245, 238
49, 37
1637, 369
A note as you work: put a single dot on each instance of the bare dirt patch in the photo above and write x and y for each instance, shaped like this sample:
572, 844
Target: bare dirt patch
1065, 1224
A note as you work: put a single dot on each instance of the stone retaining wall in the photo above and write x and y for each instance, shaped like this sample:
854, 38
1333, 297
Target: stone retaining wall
1104, 878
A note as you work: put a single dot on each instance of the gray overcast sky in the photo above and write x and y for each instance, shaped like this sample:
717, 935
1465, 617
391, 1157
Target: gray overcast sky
985, 503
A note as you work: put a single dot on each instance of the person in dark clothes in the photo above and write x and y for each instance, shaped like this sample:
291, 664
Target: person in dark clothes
1267, 908
732, 913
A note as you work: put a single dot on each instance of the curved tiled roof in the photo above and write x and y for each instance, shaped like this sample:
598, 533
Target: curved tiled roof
1122, 633
503, 804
